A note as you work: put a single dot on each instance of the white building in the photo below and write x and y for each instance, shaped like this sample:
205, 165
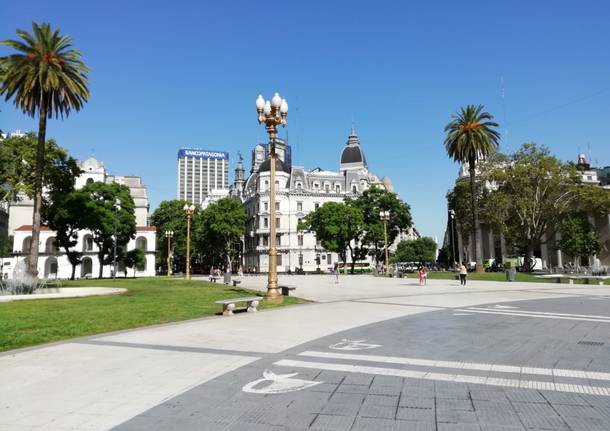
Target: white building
299, 192
53, 263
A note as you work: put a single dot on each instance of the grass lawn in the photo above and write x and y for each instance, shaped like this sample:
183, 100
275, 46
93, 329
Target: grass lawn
148, 301
500, 276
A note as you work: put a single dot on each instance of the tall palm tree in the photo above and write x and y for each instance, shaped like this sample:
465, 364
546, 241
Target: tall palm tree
470, 137
45, 77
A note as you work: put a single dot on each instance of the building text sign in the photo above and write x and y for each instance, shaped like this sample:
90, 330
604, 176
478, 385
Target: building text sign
204, 154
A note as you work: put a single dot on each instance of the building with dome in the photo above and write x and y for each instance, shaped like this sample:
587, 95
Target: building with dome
298, 192
52, 262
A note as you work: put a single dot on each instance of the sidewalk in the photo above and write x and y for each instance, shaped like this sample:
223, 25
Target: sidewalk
99, 382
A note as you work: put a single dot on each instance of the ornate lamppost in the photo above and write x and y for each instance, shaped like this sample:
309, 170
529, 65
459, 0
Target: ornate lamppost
189, 210
385, 217
169, 234
452, 221
273, 113
117, 208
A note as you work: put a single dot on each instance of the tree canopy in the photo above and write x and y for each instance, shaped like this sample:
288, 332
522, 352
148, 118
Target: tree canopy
104, 220
422, 250
170, 216
578, 236
218, 230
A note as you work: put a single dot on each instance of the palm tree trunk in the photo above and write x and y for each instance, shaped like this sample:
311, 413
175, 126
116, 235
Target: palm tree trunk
40, 150
475, 215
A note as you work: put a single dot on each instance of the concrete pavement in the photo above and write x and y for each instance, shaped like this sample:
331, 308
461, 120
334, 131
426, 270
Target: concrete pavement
103, 381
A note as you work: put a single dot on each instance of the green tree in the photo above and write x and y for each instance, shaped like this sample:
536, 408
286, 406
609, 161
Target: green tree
17, 159
170, 216
46, 77
471, 136
371, 202
336, 225
65, 216
133, 259
578, 236
533, 192
422, 250
218, 230
105, 221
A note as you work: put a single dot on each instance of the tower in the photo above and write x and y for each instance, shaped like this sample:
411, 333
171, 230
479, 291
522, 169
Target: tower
238, 184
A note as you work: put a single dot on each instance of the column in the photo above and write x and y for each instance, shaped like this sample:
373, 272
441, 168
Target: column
559, 260
544, 252
460, 245
492, 246
479, 242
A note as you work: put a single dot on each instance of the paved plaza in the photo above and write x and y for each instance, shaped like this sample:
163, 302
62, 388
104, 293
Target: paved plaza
370, 354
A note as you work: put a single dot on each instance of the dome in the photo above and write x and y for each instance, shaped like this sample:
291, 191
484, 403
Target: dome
352, 154
279, 166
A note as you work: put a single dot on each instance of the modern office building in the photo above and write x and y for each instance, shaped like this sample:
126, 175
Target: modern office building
202, 173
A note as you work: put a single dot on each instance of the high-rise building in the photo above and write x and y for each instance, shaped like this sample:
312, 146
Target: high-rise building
201, 173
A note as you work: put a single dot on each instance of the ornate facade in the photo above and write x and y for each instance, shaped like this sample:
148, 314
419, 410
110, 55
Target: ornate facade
298, 192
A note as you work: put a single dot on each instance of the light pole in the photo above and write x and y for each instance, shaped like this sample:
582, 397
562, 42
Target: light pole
385, 217
451, 221
117, 208
189, 210
169, 235
273, 113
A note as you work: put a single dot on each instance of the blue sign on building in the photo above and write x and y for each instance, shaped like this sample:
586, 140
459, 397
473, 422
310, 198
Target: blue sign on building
202, 154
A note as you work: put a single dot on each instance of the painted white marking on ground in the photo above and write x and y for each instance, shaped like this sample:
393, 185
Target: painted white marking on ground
490, 381
346, 344
497, 368
462, 314
545, 313
506, 307
279, 384
540, 316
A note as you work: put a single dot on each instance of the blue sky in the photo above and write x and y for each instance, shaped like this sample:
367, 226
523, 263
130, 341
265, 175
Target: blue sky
186, 73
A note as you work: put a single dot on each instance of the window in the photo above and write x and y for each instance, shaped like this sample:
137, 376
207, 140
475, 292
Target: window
355, 188
299, 186
89, 180
277, 206
337, 188
266, 186
265, 222
299, 206
316, 186
327, 188
299, 220
265, 241
266, 206
277, 222
329, 259
300, 240
279, 260
277, 186
316, 206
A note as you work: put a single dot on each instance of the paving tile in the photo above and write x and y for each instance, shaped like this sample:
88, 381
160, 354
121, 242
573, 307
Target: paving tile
454, 404
333, 423
458, 427
524, 395
414, 426
358, 379
373, 411
542, 422
456, 416
538, 409
417, 402
382, 400
354, 389
421, 415
368, 424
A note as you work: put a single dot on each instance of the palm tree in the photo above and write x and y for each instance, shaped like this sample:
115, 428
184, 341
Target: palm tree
46, 77
470, 137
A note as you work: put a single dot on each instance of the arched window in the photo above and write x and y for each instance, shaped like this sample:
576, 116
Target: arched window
141, 243
51, 246
327, 187
299, 186
25, 246
86, 268
337, 188
266, 186
277, 186
354, 188
89, 180
88, 243
50, 268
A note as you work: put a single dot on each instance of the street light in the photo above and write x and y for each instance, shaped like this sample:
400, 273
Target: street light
117, 208
451, 221
272, 113
189, 210
385, 217
169, 234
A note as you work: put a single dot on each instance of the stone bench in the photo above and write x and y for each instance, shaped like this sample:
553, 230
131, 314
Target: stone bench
228, 305
236, 281
287, 289
599, 280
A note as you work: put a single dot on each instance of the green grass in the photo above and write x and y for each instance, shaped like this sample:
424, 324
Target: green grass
499, 276
148, 301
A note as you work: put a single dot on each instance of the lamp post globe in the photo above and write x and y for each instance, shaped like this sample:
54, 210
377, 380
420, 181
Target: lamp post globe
385, 217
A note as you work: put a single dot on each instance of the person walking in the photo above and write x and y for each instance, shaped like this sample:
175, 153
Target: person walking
463, 274
336, 271
421, 272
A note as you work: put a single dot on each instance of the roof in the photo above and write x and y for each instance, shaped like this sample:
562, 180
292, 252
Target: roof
146, 229
352, 153
279, 166
27, 227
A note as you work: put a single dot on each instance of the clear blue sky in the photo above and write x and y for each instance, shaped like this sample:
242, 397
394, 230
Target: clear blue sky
167, 74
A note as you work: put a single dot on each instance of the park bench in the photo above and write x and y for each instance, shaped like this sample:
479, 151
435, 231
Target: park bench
587, 278
228, 305
287, 289
236, 281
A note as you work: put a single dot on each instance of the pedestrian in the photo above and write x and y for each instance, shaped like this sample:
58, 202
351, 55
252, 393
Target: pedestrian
421, 272
463, 274
425, 269
336, 271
